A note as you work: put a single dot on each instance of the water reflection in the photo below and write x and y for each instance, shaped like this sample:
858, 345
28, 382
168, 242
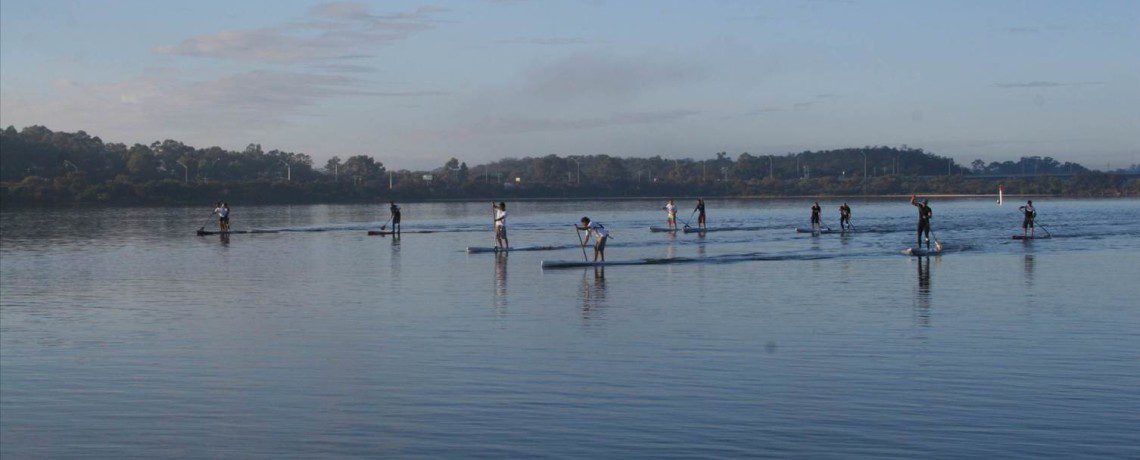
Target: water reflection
500, 299
224, 238
593, 291
922, 303
1030, 263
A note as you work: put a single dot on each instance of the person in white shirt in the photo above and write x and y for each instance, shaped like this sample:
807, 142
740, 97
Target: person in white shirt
224, 217
501, 224
600, 235
670, 214
218, 212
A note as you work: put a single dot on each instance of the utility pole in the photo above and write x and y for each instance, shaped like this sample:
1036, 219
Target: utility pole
864, 171
185, 171
771, 167
390, 181
288, 171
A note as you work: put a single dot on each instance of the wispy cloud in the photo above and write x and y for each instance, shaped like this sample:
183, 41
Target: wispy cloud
525, 125
161, 101
608, 77
330, 31
1042, 84
548, 41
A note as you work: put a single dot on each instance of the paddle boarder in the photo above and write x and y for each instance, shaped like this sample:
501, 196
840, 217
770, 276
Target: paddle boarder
1027, 223
700, 209
501, 225
844, 217
224, 217
395, 211
600, 235
815, 224
924, 215
670, 214
218, 212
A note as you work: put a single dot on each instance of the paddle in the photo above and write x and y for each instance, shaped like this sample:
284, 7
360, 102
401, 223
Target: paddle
382, 227
204, 224
1047, 232
686, 221
937, 244
581, 243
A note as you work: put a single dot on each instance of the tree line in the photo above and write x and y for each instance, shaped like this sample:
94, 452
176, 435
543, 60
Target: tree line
43, 167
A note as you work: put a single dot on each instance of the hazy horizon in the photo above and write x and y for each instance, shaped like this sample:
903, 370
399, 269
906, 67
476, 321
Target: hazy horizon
414, 83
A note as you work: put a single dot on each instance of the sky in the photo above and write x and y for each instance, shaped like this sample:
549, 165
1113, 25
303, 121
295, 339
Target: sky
414, 83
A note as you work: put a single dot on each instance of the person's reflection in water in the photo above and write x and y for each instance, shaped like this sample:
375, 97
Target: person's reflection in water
593, 291
1030, 263
224, 238
395, 259
922, 304
500, 283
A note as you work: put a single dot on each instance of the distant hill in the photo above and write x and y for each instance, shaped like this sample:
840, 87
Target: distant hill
40, 166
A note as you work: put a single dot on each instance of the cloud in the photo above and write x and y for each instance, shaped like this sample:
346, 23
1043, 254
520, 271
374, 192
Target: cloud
330, 31
547, 41
1042, 84
527, 125
607, 77
162, 103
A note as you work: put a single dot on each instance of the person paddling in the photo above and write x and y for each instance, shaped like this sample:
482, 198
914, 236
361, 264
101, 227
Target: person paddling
395, 211
1030, 216
670, 214
844, 217
224, 217
501, 225
924, 215
700, 209
218, 212
600, 235
816, 226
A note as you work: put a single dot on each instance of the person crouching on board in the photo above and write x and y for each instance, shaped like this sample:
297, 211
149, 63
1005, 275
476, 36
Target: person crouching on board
1030, 216
815, 223
224, 217
924, 215
501, 225
395, 210
700, 209
600, 235
844, 217
670, 214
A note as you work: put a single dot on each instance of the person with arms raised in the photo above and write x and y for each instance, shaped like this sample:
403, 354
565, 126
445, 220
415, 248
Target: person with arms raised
924, 215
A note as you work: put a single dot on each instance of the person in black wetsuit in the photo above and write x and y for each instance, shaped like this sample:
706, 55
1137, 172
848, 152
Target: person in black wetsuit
1030, 216
700, 209
815, 224
924, 215
844, 217
395, 210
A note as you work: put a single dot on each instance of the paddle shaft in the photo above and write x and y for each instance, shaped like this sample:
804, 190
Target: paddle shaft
581, 243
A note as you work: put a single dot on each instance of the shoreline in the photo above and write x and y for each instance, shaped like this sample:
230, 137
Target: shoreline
1008, 197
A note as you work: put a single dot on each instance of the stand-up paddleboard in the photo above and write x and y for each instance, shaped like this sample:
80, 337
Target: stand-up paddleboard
664, 229
718, 229
1033, 237
810, 230
920, 252
389, 232
233, 232
608, 263
479, 250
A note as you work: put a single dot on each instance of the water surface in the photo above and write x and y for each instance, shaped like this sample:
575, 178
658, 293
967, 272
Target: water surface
124, 334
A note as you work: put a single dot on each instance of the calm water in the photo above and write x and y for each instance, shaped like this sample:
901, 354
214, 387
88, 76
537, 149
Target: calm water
124, 335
